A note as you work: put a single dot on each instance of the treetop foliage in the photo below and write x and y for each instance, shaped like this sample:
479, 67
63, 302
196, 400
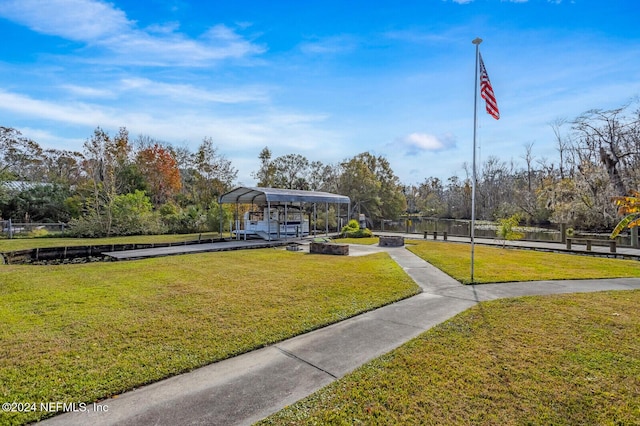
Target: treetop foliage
585, 186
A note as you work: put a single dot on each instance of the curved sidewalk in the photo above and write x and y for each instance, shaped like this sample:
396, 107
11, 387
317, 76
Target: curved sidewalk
249, 387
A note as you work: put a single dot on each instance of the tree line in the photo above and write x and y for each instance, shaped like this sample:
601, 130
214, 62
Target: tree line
115, 186
119, 186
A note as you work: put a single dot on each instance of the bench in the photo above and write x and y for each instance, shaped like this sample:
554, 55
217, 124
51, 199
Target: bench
435, 235
589, 242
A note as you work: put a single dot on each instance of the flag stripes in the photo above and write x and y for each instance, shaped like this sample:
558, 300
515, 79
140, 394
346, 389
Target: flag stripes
486, 91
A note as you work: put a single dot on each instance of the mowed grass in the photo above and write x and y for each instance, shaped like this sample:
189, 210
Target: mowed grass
494, 264
81, 333
564, 360
32, 243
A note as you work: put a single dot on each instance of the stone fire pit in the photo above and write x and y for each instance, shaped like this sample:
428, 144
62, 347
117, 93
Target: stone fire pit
329, 248
391, 241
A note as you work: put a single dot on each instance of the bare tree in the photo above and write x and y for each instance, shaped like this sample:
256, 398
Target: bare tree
20, 157
494, 189
214, 173
528, 158
105, 158
266, 174
562, 144
611, 139
431, 197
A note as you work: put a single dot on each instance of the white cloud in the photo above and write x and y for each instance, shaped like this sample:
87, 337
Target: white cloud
280, 130
422, 142
181, 93
78, 20
101, 25
186, 93
78, 113
88, 92
173, 49
49, 140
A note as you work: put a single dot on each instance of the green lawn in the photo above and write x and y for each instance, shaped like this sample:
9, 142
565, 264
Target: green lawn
80, 333
84, 332
494, 264
563, 360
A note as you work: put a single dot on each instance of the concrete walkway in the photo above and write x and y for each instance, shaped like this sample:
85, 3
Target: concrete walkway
179, 249
247, 388
578, 246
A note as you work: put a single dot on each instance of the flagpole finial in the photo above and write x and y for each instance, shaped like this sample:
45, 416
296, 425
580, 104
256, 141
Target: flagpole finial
477, 40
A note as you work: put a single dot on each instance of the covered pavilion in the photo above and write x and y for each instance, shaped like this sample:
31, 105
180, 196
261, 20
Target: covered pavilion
282, 210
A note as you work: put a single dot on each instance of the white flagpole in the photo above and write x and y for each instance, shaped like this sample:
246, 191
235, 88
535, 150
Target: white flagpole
477, 42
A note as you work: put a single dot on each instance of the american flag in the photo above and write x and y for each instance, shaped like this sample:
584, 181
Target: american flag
486, 91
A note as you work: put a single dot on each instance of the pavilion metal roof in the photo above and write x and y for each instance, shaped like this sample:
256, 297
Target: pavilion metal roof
260, 196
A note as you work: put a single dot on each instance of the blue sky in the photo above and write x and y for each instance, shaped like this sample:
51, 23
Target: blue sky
325, 79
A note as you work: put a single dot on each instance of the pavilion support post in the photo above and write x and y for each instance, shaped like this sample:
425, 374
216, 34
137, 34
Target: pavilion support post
315, 219
286, 222
326, 219
300, 231
269, 219
237, 222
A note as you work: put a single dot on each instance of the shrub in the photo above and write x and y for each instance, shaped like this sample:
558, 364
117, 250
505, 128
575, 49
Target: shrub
130, 214
353, 230
39, 233
506, 228
133, 215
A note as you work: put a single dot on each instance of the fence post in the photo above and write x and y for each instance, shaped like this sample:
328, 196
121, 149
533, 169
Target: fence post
10, 229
